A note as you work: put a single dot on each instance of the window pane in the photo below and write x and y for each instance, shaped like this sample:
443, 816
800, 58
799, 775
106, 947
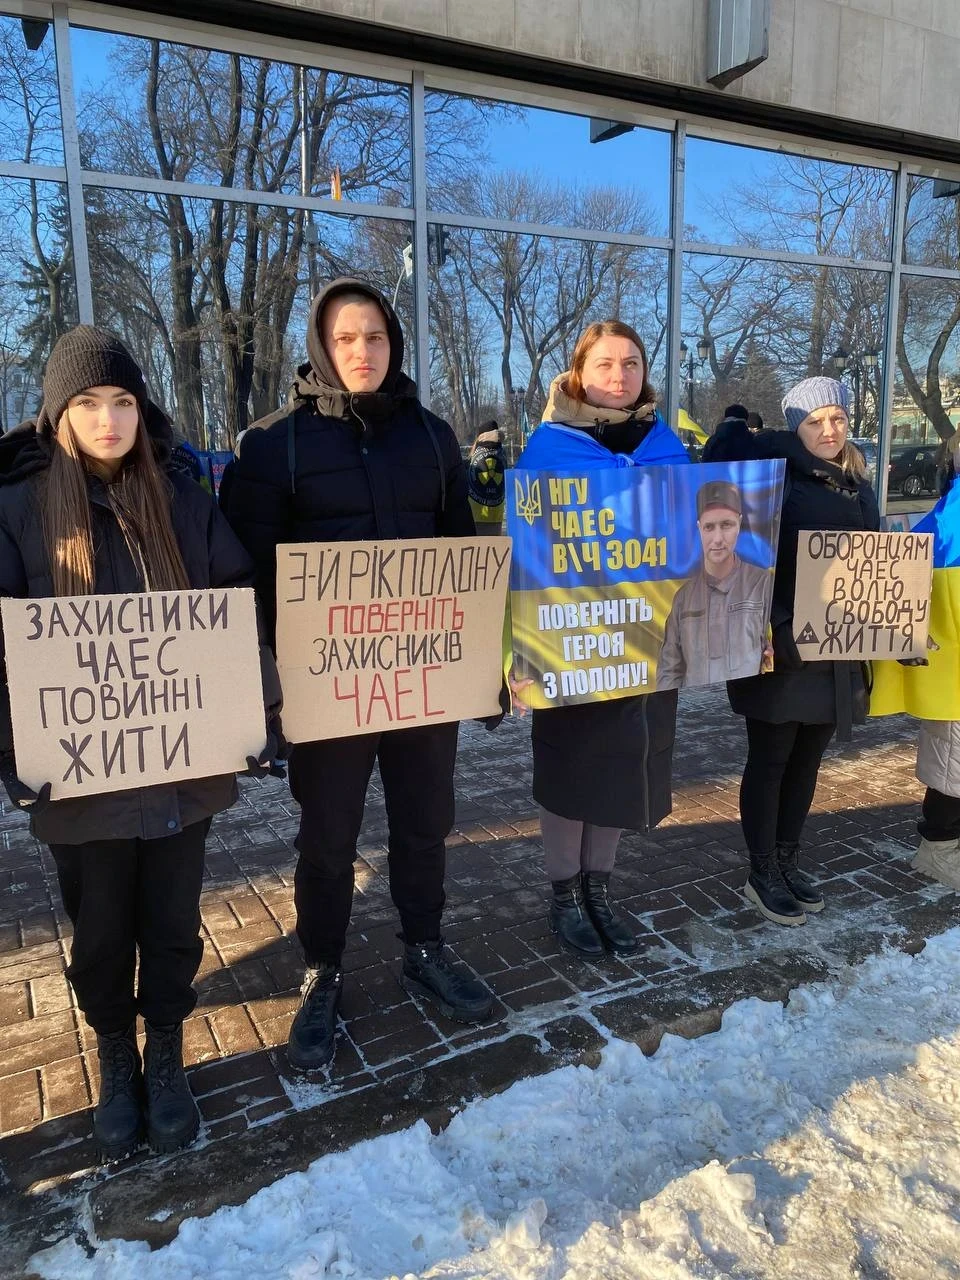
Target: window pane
798, 204
199, 115
932, 227
529, 165
926, 393
29, 98
507, 309
767, 325
38, 296
214, 295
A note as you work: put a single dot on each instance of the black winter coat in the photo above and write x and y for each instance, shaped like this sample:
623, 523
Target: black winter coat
731, 433
608, 763
341, 467
213, 558
817, 495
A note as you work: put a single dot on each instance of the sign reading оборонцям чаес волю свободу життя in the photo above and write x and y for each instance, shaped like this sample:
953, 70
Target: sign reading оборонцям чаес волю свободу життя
627, 580
387, 635
862, 594
110, 692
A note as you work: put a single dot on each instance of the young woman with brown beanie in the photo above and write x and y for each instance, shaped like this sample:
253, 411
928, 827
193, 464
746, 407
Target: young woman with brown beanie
87, 505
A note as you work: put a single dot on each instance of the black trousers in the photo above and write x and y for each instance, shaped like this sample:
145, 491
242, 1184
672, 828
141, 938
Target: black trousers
941, 816
130, 896
329, 781
779, 780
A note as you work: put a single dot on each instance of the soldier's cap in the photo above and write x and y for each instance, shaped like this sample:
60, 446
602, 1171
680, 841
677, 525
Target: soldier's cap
719, 493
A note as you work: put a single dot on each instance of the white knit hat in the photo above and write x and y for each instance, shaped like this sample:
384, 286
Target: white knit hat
812, 394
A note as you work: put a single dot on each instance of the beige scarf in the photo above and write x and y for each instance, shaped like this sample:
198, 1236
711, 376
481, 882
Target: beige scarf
562, 408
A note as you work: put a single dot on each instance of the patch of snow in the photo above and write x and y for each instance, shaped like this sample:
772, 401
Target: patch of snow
812, 1142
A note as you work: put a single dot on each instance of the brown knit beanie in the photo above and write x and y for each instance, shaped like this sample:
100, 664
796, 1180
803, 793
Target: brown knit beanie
89, 357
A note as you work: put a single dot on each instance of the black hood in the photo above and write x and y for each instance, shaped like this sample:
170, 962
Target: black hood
26, 449
319, 381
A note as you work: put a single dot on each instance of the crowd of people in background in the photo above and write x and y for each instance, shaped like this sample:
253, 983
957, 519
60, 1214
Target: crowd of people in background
94, 499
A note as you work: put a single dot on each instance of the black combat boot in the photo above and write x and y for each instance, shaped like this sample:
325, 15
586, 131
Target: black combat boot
427, 971
311, 1041
768, 890
614, 934
569, 919
801, 885
173, 1120
118, 1117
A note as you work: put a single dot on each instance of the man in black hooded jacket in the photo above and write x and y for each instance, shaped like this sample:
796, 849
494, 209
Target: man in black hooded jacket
355, 456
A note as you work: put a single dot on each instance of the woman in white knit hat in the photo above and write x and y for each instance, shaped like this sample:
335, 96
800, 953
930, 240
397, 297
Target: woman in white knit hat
792, 713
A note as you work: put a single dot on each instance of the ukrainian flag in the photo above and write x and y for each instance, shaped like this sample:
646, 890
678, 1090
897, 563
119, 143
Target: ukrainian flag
931, 692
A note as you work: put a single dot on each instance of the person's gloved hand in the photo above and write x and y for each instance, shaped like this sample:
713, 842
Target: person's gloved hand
919, 662
268, 763
25, 798
22, 796
493, 722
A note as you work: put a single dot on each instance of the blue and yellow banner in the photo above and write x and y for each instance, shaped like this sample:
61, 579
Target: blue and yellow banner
626, 580
931, 692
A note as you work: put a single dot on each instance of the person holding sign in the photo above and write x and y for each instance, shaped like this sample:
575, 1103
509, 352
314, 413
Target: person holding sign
355, 456
90, 505
792, 713
716, 629
600, 766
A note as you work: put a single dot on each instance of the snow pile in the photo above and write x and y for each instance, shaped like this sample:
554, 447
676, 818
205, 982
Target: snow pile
814, 1141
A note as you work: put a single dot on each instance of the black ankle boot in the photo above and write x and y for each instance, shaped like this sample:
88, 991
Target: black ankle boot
427, 971
118, 1117
614, 934
173, 1120
768, 890
311, 1041
803, 888
569, 919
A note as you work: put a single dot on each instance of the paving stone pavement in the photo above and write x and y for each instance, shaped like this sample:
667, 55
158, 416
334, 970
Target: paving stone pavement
680, 884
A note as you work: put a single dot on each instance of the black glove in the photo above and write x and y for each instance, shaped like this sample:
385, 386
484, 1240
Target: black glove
494, 722
913, 662
25, 798
277, 748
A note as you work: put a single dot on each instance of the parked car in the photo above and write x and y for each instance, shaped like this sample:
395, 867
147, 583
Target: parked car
913, 470
868, 448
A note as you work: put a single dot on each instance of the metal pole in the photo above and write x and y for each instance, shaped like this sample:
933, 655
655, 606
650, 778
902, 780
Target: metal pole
690, 387
71, 160
675, 295
884, 429
421, 275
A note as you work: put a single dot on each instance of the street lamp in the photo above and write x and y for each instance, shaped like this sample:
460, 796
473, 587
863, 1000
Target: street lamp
856, 363
686, 358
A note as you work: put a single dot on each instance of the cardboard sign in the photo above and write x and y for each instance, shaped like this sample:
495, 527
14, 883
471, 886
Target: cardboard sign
862, 595
387, 635
110, 692
627, 580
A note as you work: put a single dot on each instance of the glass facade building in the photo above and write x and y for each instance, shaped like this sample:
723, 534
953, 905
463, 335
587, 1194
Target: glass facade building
192, 193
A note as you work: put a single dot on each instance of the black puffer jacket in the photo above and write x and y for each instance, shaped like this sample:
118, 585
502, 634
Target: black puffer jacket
817, 495
213, 558
338, 467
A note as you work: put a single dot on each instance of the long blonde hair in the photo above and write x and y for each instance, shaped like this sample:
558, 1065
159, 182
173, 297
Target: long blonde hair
140, 499
852, 461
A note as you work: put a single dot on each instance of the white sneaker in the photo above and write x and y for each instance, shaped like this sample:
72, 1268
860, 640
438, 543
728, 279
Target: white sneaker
940, 860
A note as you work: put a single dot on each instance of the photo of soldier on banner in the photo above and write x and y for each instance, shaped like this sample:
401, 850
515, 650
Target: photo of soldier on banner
629, 580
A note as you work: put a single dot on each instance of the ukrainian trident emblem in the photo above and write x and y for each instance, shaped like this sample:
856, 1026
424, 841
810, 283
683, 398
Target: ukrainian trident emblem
529, 506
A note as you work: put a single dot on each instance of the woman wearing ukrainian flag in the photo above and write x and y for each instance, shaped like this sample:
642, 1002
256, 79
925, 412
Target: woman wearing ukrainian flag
600, 767
930, 690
